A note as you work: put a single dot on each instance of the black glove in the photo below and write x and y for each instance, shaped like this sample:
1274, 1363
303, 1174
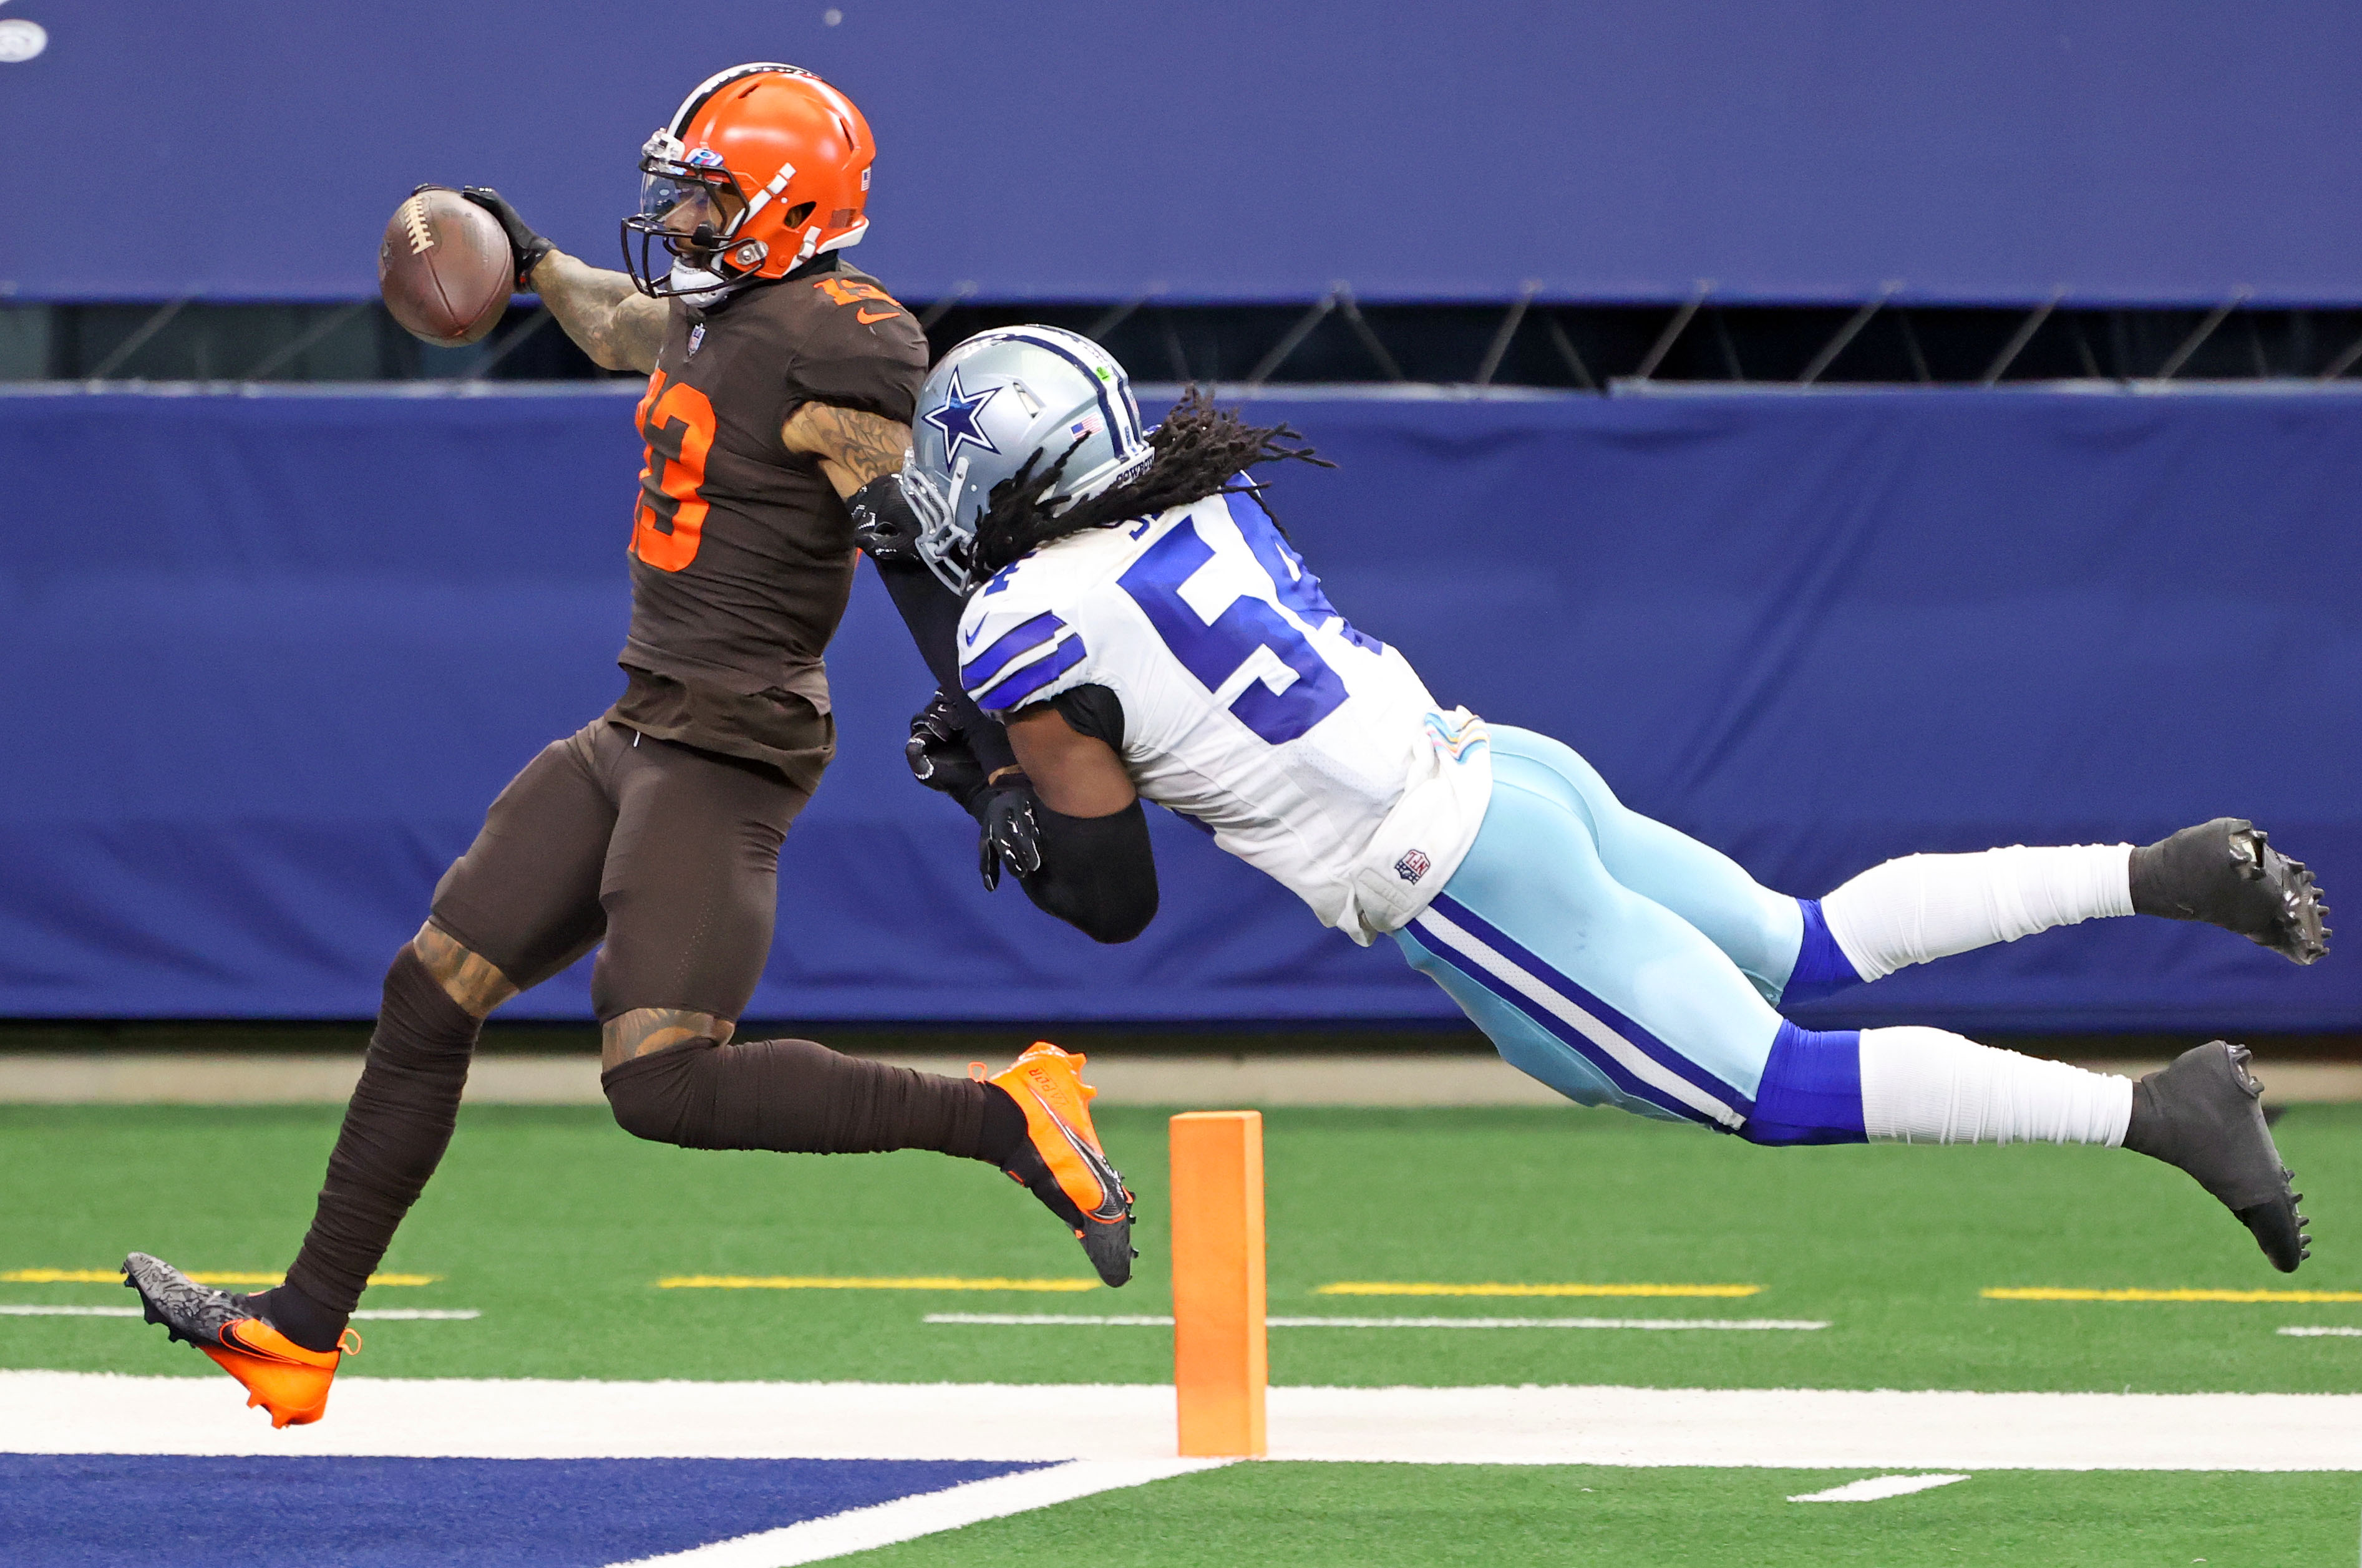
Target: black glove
1011, 836
524, 245
883, 523
939, 753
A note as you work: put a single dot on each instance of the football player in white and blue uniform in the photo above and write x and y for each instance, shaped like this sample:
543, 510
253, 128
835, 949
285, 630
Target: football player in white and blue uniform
1146, 632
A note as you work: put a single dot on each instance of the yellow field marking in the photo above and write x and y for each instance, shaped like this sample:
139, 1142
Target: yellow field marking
831, 1282
2064, 1293
1390, 1288
114, 1277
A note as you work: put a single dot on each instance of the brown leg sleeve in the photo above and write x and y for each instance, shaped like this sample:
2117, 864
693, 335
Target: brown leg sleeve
524, 896
395, 1129
798, 1097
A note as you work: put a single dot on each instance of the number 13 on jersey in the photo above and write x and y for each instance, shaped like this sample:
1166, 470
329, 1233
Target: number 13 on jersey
676, 421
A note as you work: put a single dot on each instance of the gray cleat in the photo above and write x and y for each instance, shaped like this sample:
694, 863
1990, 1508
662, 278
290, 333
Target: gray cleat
192, 1313
2204, 1113
2226, 872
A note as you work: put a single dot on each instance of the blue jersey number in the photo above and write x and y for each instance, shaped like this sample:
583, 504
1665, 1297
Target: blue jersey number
1214, 652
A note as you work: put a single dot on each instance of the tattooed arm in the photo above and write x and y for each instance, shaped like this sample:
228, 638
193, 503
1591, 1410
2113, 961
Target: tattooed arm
614, 323
852, 447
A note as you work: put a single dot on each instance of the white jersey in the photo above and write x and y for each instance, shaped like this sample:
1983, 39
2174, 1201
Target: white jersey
1311, 751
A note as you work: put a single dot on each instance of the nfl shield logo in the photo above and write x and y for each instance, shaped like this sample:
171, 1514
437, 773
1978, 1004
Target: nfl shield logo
1413, 865
696, 336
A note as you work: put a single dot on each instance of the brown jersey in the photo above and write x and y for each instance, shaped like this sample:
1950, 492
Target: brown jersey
742, 553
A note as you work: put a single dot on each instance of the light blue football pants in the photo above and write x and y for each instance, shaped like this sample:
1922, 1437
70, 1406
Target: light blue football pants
1624, 963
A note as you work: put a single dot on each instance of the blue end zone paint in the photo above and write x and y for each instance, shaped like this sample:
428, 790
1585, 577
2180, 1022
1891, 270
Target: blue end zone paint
137, 1511
1822, 968
1811, 1092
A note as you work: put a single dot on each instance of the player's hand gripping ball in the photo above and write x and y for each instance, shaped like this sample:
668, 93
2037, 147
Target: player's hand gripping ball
444, 268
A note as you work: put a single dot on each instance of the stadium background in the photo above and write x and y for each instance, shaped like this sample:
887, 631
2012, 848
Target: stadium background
1860, 428
292, 596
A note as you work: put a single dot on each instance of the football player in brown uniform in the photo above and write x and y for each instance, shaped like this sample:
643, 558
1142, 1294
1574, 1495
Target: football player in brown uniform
781, 388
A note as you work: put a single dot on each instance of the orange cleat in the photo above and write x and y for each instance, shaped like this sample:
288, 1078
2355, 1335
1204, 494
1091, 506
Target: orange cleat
1061, 1162
284, 1379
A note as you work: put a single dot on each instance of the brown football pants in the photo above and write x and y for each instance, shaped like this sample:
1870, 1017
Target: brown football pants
670, 854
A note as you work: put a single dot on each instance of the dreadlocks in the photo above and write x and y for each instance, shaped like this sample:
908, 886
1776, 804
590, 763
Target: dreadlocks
1197, 451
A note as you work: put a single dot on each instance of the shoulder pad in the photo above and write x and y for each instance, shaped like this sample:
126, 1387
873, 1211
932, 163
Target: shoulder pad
1013, 647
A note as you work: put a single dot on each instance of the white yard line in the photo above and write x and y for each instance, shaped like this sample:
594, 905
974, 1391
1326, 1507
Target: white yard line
61, 1412
374, 1314
1877, 1488
230, 1077
907, 1519
2332, 1331
1063, 1318
1052, 1320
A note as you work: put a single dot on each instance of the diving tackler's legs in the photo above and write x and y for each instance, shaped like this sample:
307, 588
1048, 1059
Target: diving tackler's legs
1930, 906
2224, 873
1613, 997
1904, 912
1759, 930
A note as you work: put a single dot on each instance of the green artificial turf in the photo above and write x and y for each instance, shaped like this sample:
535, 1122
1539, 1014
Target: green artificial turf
557, 1225
1381, 1516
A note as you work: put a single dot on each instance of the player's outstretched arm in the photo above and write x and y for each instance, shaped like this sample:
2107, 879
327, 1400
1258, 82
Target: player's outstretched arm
1097, 872
619, 327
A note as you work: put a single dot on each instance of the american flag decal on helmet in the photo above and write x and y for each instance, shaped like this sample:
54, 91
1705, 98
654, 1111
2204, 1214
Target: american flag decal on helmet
1413, 865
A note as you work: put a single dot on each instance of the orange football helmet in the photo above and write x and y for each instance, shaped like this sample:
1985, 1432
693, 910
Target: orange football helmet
761, 168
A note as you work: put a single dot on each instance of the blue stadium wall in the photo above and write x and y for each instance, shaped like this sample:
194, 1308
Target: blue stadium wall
274, 652
2125, 151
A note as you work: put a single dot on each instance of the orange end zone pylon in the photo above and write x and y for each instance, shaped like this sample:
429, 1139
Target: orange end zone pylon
1220, 1365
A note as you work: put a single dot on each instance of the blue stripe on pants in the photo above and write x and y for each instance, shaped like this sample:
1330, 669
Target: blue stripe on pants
1603, 993
1598, 1030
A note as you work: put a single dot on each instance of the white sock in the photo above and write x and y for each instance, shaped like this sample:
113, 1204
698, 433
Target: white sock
1926, 906
1928, 1086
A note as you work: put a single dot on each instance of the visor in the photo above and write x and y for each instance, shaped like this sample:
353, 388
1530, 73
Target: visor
680, 208
676, 202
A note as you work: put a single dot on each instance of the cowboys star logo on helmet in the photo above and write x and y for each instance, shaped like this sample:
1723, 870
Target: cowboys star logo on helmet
1070, 408
957, 418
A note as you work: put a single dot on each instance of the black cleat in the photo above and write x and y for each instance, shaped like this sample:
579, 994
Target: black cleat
2226, 873
2204, 1113
1106, 1233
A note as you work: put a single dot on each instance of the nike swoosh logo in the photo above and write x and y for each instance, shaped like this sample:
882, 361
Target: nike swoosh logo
1112, 1194
866, 319
970, 637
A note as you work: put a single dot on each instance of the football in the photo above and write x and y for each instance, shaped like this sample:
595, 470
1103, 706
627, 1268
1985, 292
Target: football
444, 268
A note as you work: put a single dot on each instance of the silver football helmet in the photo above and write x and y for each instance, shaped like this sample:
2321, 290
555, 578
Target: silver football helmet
997, 400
